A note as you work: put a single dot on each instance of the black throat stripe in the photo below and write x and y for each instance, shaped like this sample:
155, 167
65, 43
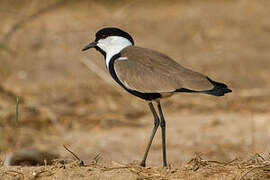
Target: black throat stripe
145, 96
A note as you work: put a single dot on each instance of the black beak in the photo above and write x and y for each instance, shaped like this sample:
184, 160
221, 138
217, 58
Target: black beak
90, 45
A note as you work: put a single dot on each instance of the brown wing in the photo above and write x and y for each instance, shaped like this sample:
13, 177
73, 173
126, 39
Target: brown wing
150, 71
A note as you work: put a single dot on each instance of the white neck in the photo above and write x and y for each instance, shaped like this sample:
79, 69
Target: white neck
113, 45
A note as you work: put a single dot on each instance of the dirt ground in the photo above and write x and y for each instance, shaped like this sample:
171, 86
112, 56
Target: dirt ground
66, 97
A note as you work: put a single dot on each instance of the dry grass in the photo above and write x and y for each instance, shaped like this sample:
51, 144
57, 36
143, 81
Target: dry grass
64, 102
257, 167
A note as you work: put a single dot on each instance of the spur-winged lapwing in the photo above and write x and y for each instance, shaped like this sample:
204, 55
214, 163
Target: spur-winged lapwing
150, 75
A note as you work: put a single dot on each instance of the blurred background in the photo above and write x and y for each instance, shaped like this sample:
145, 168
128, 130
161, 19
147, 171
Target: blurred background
67, 97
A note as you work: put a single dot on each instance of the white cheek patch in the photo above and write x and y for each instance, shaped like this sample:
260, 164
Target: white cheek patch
112, 45
122, 58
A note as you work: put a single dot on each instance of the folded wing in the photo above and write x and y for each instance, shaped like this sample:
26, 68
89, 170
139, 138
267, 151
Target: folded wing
149, 71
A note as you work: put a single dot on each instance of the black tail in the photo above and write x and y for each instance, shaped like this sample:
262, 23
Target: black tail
219, 89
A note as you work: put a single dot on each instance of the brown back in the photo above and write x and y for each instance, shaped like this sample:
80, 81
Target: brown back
148, 71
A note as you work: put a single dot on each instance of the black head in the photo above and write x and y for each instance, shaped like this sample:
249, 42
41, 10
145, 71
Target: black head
112, 31
105, 33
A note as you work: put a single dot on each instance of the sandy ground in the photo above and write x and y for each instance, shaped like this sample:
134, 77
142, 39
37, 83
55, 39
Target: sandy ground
68, 98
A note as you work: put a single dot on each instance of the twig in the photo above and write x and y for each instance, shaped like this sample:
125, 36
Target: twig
81, 162
12, 172
113, 168
42, 174
222, 163
97, 70
227, 163
246, 173
96, 158
258, 156
101, 74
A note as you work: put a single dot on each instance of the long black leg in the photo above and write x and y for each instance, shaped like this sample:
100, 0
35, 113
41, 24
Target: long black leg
156, 124
163, 134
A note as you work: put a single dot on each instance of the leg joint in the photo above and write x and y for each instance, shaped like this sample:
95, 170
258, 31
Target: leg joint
163, 123
156, 122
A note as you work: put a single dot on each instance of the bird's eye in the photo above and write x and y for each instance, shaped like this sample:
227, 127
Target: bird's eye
103, 36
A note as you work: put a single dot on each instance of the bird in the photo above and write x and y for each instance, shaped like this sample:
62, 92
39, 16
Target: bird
149, 75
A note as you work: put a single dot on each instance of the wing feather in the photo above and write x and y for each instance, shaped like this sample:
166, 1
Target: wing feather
148, 71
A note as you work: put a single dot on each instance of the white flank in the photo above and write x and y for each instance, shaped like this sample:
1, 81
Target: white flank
112, 45
122, 58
